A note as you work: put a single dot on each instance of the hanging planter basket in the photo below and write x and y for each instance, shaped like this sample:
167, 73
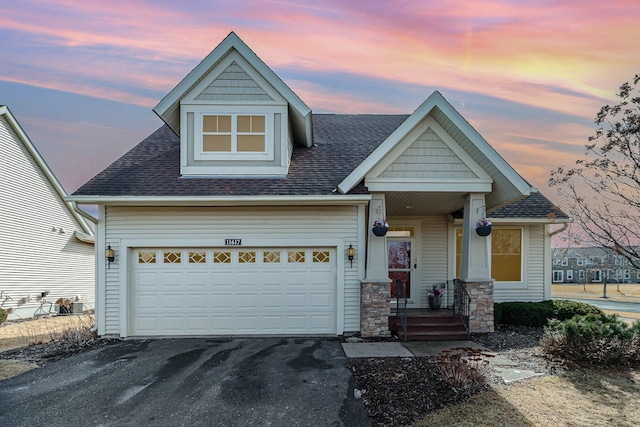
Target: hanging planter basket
484, 231
380, 230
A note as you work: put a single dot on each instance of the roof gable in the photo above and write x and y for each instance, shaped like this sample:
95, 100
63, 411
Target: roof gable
232, 84
475, 152
169, 107
39, 162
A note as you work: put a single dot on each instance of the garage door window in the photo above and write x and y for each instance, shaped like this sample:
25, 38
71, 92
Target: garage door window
271, 257
146, 258
222, 257
321, 256
246, 257
296, 257
197, 257
172, 257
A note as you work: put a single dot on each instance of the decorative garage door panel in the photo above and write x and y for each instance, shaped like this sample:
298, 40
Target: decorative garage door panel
233, 291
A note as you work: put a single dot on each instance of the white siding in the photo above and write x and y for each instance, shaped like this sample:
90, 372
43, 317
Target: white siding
434, 254
428, 157
275, 226
234, 84
33, 257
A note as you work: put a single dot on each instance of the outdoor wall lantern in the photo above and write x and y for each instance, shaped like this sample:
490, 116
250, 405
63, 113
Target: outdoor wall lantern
109, 254
351, 252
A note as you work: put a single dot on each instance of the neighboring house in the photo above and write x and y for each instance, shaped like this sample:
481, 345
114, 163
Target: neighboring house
592, 265
46, 247
238, 215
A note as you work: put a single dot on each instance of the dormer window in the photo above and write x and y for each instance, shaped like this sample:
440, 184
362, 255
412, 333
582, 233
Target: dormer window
233, 133
238, 135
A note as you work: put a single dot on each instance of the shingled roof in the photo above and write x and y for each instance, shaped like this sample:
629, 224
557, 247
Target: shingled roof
341, 142
534, 206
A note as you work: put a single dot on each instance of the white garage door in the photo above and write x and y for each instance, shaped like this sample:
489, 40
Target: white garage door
225, 291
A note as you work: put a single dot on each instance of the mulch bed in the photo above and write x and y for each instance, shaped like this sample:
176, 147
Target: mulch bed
400, 391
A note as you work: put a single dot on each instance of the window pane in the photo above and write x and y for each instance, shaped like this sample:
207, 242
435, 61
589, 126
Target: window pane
210, 123
246, 257
257, 124
506, 255
244, 123
220, 143
251, 143
224, 123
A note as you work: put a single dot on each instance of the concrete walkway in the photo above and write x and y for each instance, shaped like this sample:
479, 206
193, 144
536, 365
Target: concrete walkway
506, 368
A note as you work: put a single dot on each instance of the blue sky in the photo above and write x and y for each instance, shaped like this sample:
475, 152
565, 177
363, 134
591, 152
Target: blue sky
82, 77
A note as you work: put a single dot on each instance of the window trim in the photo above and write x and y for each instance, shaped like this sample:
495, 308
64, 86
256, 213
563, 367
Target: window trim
593, 276
556, 274
267, 112
524, 254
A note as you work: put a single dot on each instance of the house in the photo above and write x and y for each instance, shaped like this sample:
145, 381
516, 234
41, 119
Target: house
592, 265
246, 214
46, 246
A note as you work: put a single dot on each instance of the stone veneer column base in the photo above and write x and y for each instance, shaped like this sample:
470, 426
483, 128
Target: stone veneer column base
375, 309
481, 319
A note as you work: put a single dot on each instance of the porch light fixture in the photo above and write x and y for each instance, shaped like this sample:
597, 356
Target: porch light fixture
351, 252
109, 254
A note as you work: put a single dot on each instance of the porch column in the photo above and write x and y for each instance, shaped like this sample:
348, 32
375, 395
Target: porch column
475, 259
377, 263
375, 292
475, 266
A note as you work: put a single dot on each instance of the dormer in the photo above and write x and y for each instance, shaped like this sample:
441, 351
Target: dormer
234, 116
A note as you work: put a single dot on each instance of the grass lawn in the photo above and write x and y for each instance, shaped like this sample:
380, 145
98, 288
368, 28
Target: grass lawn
627, 292
577, 398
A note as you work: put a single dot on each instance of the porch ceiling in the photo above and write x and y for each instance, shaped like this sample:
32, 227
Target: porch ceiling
420, 204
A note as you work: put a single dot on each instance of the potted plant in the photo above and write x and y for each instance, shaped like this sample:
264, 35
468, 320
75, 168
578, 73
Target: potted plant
380, 227
483, 227
435, 297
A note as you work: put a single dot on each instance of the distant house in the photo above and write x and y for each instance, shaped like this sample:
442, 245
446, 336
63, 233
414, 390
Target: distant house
592, 265
46, 247
246, 214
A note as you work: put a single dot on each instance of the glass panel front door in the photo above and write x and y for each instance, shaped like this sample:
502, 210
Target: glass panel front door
400, 264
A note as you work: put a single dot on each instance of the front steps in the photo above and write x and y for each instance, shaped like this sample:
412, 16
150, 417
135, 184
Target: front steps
430, 325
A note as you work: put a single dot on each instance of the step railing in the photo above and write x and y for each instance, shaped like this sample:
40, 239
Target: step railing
462, 303
401, 306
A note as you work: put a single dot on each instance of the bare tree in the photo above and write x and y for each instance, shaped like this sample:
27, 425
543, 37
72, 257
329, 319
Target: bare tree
602, 192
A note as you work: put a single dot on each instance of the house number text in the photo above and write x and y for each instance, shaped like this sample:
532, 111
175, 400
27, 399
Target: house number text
233, 242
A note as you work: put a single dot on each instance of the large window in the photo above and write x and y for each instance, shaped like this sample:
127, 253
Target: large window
233, 133
506, 254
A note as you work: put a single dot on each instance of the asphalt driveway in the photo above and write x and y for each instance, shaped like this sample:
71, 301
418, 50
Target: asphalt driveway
190, 382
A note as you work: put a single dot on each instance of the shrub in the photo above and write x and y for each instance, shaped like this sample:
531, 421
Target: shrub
593, 338
3, 315
463, 367
526, 313
538, 313
565, 309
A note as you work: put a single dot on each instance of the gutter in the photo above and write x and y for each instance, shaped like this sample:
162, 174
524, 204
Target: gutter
82, 213
559, 230
84, 237
215, 201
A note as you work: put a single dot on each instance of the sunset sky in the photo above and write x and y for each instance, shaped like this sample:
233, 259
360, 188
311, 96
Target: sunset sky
530, 75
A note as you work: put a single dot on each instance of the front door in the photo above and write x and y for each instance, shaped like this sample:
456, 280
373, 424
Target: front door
402, 266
